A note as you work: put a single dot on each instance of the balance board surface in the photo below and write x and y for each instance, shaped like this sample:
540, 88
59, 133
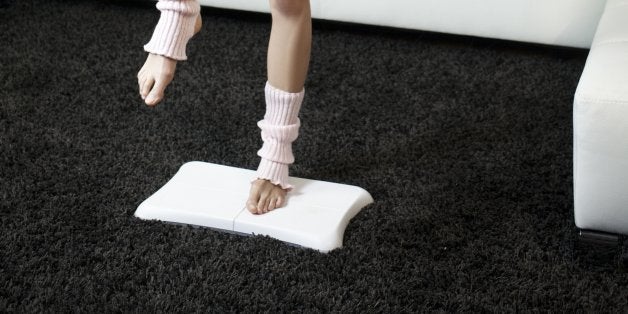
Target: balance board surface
214, 196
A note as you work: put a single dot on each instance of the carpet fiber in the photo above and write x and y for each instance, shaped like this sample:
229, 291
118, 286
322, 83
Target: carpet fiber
464, 143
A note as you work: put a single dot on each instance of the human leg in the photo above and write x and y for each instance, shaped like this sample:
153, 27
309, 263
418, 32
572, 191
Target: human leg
288, 60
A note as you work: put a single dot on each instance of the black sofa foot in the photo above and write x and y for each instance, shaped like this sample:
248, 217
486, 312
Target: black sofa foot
600, 249
598, 238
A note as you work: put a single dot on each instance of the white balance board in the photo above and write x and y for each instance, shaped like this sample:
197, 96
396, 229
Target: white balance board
214, 196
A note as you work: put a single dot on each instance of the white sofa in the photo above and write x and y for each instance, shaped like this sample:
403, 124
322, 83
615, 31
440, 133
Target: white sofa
601, 99
554, 22
601, 128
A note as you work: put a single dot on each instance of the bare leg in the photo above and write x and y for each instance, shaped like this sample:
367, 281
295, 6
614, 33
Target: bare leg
289, 45
157, 73
288, 60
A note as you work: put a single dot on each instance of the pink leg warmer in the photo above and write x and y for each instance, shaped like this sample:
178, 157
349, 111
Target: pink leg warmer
280, 128
174, 29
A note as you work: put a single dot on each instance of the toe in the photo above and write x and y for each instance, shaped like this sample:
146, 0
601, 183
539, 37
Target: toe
262, 205
251, 207
157, 92
279, 202
153, 98
251, 204
254, 198
271, 204
140, 83
147, 84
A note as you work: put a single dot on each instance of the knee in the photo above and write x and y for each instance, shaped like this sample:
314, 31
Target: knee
289, 8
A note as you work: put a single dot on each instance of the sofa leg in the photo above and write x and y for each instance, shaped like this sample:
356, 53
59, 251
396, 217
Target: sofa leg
598, 238
623, 259
599, 250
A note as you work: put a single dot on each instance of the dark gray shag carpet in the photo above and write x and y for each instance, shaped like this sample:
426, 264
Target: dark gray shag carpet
464, 143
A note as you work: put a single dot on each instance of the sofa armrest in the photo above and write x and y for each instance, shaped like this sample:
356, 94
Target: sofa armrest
601, 127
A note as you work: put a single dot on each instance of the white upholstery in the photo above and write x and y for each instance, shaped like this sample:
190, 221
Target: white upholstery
555, 22
601, 127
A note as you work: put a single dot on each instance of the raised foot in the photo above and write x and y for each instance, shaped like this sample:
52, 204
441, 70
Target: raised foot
157, 73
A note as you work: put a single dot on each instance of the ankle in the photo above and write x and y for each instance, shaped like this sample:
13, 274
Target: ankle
198, 24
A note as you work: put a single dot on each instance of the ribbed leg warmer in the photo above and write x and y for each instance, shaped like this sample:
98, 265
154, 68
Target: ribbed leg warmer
280, 127
174, 29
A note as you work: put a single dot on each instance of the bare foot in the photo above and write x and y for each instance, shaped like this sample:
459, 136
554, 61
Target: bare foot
157, 73
264, 197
